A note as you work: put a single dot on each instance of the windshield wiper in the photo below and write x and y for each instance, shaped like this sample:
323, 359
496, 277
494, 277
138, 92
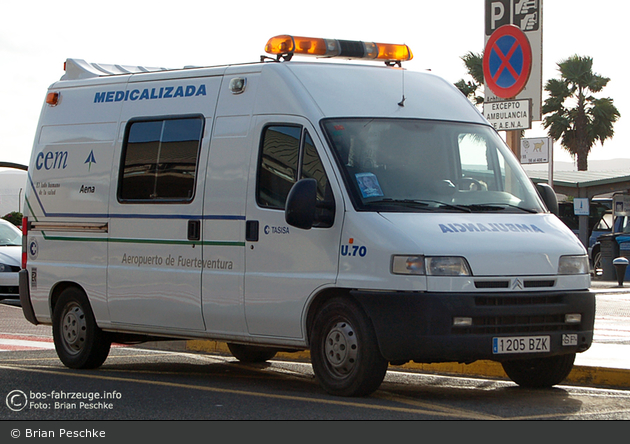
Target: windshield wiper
499, 207
420, 203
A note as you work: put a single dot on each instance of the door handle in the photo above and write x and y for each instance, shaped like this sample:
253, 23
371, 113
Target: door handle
251, 231
194, 230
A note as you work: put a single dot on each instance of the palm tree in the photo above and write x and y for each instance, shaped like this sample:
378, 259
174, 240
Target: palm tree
474, 68
590, 120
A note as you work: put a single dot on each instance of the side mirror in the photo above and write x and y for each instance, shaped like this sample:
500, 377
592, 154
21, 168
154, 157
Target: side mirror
548, 196
301, 204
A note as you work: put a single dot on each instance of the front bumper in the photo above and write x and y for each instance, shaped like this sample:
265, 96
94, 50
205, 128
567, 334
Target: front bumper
419, 326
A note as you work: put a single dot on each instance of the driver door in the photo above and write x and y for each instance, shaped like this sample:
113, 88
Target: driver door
285, 265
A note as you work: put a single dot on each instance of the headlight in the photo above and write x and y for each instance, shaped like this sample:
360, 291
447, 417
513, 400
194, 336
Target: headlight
432, 266
447, 266
408, 265
573, 265
5, 268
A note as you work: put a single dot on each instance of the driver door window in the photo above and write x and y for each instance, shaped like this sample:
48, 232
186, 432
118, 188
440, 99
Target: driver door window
288, 153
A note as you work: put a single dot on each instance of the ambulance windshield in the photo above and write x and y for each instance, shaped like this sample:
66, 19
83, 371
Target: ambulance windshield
419, 165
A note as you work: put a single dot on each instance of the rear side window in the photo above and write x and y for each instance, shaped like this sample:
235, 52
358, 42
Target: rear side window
160, 159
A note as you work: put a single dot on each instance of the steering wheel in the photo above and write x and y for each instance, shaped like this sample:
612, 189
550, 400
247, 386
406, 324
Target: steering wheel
472, 184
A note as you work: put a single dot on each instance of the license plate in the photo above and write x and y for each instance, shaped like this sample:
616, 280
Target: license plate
521, 344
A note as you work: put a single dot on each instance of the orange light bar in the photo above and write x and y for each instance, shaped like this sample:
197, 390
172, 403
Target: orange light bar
52, 98
347, 49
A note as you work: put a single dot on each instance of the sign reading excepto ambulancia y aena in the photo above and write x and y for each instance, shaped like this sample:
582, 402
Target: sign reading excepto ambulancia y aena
509, 115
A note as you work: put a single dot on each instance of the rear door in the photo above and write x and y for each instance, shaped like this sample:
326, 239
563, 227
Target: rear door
155, 255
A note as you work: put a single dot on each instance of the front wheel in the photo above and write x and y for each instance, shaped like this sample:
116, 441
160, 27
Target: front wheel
79, 342
344, 351
540, 372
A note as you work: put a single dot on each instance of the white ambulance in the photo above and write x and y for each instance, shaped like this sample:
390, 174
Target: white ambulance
367, 213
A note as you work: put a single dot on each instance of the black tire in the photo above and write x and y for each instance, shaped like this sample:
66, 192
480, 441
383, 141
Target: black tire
540, 372
251, 353
597, 264
344, 351
79, 342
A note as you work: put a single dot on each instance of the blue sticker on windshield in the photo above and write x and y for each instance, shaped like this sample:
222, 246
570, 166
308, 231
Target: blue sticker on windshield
368, 184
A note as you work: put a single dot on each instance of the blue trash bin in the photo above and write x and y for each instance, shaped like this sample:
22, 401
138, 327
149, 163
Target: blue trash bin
624, 250
609, 251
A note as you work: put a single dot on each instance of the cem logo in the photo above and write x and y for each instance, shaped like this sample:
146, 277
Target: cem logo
58, 160
52, 160
352, 250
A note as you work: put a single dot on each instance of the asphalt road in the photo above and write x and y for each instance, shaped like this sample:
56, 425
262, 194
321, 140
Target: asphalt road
136, 384
156, 386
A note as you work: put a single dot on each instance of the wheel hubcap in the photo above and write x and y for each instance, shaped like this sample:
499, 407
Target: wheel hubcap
73, 328
341, 348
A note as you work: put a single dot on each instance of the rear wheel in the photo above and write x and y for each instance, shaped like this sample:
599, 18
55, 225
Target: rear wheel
344, 351
540, 372
79, 342
251, 353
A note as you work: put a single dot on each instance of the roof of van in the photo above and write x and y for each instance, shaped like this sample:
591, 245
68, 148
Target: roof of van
336, 89
377, 90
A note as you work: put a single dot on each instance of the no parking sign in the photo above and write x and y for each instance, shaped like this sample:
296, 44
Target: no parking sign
507, 61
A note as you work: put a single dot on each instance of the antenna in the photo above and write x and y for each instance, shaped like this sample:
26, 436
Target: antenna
402, 102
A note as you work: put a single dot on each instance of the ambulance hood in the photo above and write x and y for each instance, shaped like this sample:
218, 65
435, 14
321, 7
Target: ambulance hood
493, 244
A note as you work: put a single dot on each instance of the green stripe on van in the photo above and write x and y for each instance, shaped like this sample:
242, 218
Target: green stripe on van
144, 241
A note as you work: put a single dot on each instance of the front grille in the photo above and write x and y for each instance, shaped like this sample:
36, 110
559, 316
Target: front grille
492, 284
516, 325
533, 283
521, 299
493, 318
539, 284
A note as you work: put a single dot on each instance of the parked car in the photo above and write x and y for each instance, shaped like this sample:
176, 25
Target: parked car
600, 222
605, 226
10, 259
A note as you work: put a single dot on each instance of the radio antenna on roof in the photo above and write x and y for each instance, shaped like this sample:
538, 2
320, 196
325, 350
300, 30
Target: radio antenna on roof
402, 102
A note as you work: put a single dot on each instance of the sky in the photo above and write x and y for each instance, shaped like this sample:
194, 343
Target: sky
37, 36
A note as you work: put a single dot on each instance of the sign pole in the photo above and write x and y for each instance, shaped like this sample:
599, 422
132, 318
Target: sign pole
513, 139
551, 162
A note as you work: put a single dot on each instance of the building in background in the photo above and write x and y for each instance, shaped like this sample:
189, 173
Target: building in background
12, 188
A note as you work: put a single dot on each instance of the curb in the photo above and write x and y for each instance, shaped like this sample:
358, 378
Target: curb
599, 377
